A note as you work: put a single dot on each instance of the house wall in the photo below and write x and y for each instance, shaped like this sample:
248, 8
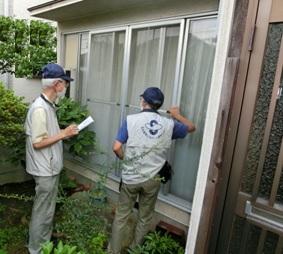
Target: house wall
145, 13
1, 7
28, 88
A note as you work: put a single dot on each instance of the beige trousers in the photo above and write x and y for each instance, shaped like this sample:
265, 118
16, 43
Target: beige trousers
41, 224
146, 193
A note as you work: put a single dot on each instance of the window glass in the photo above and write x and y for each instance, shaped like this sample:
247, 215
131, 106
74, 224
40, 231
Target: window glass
71, 62
104, 90
194, 97
153, 62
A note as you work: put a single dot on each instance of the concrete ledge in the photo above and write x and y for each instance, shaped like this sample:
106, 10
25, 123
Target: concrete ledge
12, 174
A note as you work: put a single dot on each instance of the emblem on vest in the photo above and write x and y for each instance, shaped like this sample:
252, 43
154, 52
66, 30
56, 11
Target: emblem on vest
153, 129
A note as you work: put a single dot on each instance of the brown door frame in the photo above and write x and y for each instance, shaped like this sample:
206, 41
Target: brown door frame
236, 70
242, 113
231, 142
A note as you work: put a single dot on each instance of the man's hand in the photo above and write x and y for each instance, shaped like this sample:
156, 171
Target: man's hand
70, 131
175, 113
118, 149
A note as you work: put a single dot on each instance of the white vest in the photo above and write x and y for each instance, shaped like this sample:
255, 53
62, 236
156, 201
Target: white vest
47, 161
149, 138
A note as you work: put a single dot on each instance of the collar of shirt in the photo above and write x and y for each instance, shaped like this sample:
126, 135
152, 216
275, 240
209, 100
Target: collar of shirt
45, 98
150, 110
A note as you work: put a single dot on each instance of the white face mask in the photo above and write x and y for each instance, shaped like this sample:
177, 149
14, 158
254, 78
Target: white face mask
61, 94
141, 106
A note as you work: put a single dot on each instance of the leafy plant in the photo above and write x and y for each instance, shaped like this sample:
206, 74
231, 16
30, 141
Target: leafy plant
98, 243
81, 219
12, 116
25, 47
12, 234
61, 248
70, 112
155, 243
66, 182
47, 248
2, 208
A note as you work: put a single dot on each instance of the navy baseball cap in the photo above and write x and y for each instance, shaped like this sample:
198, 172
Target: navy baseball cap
153, 96
53, 70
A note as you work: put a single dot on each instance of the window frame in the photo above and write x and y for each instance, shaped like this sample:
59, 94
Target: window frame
184, 22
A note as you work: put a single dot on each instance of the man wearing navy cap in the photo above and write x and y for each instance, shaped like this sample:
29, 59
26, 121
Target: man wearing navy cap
44, 153
147, 137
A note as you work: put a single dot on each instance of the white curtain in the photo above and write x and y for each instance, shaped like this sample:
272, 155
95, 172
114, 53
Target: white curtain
143, 62
153, 62
195, 90
104, 90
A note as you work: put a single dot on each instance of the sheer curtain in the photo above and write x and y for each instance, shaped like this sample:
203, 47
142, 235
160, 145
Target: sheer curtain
194, 97
143, 62
104, 90
84, 47
152, 62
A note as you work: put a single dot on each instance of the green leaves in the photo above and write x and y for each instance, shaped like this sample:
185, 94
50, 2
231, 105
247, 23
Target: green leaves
25, 47
47, 248
13, 112
12, 116
70, 112
82, 222
98, 243
61, 248
155, 243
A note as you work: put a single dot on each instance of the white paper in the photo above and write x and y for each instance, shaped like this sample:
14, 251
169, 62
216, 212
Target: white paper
85, 123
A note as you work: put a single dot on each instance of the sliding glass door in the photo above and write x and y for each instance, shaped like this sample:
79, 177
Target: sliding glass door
198, 58
103, 90
176, 56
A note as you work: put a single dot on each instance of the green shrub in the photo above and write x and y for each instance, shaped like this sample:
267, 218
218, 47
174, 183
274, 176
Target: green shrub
26, 46
12, 235
12, 116
70, 112
81, 221
155, 243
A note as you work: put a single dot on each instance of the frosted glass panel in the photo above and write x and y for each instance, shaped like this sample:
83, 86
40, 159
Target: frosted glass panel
105, 67
195, 91
104, 90
105, 126
153, 61
84, 47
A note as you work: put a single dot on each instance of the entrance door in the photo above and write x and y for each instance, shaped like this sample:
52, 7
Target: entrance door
253, 212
